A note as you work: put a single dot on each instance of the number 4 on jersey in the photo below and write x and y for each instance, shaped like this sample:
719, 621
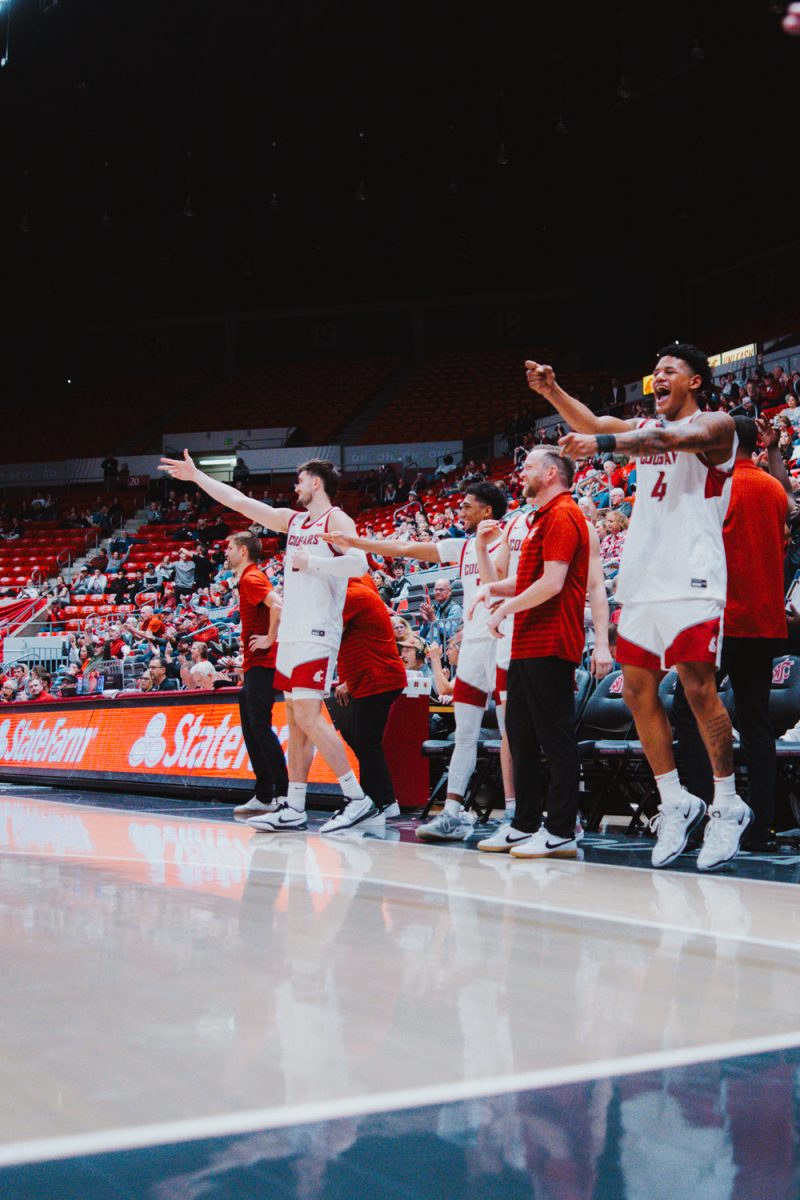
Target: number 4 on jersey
659, 487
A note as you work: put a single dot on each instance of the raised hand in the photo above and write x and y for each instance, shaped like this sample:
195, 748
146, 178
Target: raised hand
180, 468
767, 432
578, 445
541, 377
487, 529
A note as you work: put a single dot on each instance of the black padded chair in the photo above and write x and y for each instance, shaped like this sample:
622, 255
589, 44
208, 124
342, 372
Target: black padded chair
616, 777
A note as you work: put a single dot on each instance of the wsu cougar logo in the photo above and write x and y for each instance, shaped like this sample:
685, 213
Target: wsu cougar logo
149, 749
781, 672
616, 687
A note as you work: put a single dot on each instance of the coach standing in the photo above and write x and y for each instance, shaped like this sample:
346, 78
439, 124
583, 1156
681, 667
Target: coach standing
548, 598
259, 607
755, 624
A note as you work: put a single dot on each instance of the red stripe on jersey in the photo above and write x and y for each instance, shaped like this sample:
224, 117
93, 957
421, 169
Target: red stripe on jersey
467, 693
628, 654
699, 643
715, 479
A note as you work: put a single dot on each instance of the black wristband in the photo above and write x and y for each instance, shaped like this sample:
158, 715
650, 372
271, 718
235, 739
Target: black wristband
606, 442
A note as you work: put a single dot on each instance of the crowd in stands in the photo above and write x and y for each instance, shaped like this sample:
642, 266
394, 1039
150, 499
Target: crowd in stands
172, 622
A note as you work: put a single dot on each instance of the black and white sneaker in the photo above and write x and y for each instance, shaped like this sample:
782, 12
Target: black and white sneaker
391, 810
356, 813
501, 841
544, 844
285, 819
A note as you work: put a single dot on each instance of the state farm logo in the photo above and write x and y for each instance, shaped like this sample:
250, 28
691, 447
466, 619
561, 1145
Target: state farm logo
194, 742
781, 671
150, 748
45, 740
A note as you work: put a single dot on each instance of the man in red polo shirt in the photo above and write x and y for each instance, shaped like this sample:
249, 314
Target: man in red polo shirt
755, 624
372, 676
548, 597
259, 607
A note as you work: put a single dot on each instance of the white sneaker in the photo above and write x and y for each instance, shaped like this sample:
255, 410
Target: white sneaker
361, 813
723, 833
283, 819
503, 838
444, 828
544, 844
672, 825
391, 811
579, 831
254, 807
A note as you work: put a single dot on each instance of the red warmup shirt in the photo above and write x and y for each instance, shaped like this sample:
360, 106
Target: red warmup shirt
558, 533
754, 533
254, 587
369, 662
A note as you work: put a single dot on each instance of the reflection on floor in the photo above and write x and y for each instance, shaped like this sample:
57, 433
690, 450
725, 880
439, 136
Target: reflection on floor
400, 1018
721, 1131
611, 847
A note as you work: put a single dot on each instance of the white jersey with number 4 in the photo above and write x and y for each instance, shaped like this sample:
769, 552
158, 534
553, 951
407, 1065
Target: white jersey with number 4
464, 552
312, 604
673, 548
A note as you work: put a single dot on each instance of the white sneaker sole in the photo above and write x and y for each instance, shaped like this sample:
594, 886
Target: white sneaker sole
376, 821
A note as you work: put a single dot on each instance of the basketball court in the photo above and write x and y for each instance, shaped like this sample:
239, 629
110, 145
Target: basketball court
195, 1009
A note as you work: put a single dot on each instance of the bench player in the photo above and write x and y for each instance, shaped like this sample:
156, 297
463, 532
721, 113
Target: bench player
672, 582
314, 589
475, 679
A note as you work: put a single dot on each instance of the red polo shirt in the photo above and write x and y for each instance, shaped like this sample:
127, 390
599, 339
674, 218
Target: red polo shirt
558, 533
254, 587
369, 662
754, 535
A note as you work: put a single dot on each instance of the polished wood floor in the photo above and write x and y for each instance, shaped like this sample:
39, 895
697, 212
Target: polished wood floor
169, 973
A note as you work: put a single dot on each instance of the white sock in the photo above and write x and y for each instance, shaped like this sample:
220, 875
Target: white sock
511, 807
669, 788
351, 787
296, 797
724, 791
453, 808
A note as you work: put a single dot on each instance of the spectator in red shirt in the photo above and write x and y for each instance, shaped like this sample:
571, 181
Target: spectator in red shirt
260, 608
38, 689
755, 625
372, 675
548, 598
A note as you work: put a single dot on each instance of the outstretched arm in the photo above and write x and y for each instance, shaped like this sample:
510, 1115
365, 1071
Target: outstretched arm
349, 562
184, 468
541, 379
711, 434
424, 551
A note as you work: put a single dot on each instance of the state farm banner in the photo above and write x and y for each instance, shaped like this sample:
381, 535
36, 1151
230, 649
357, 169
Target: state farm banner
180, 741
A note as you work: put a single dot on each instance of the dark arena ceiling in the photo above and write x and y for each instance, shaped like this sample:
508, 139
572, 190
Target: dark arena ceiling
178, 156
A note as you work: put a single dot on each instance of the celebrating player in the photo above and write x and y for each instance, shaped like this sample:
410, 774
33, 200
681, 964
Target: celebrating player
315, 584
672, 582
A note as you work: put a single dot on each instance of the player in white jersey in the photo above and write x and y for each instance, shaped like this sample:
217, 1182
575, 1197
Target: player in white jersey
672, 582
475, 678
314, 587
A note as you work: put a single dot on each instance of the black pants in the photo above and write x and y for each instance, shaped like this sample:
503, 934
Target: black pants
748, 662
266, 755
370, 715
540, 719
180, 592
